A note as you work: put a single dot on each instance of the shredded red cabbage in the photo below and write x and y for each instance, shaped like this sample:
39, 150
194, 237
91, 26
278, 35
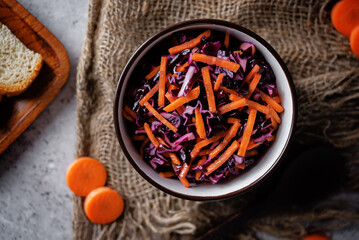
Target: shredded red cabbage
183, 141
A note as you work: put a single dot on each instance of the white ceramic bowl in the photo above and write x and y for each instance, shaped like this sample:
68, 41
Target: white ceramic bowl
268, 161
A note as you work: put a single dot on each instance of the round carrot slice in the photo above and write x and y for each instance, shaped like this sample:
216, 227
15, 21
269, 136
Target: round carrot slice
84, 175
103, 205
354, 40
345, 16
316, 237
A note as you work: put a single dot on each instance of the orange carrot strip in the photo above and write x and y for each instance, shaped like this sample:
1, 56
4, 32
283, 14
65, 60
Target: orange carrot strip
253, 84
274, 115
138, 138
171, 87
198, 174
239, 51
130, 111
160, 117
259, 107
231, 91
201, 131
182, 67
209, 90
272, 138
171, 99
223, 158
193, 94
162, 142
240, 166
152, 73
230, 134
252, 145
197, 148
184, 181
167, 174
189, 44
232, 120
205, 142
162, 82
150, 135
271, 102
103, 205
274, 122
127, 116
218, 82
232, 106
226, 39
247, 132
251, 153
149, 94
251, 74
231, 66
78, 172
204, 152
277, 99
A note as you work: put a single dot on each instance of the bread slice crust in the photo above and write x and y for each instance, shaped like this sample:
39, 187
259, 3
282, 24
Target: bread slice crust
17, 86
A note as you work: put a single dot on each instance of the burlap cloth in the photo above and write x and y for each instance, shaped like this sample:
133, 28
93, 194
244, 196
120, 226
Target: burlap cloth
326, 75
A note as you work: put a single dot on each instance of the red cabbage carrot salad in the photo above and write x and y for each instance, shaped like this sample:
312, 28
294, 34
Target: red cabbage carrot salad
206, 110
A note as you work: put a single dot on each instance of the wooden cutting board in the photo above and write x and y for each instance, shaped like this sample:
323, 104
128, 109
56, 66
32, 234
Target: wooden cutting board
17, 113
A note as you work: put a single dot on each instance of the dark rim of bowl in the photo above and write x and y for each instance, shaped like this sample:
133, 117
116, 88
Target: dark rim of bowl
192, 23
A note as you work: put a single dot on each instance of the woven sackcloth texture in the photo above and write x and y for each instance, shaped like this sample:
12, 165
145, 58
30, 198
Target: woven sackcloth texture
325, 72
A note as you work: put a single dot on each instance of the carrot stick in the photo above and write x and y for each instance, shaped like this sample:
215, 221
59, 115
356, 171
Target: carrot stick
160, 117
251, 153
127, 116
223, 158
277, 99
271, 102
78, 172
251, 74
345, 16
232, 120
230, 91
152, 73
162, 142
182, 67
218, 82
193, 94
259, 107
209, 91
240, 166
171, 99
201, 131
184, 181
149, 94
247, 132
252, 145
272, 138
103, 205
189, 44
197, 148
130, 111
167, 174
138, 137
204, 152
253, 84
230, 134
231, 66
162, 82
226, 39
274, 122
274, 115
150, 135
198, 174
232, 106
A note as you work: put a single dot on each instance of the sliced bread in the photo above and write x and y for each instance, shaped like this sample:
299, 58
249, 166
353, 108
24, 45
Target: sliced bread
19, 65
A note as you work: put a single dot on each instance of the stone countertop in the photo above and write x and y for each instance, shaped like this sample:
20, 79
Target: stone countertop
35, 202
